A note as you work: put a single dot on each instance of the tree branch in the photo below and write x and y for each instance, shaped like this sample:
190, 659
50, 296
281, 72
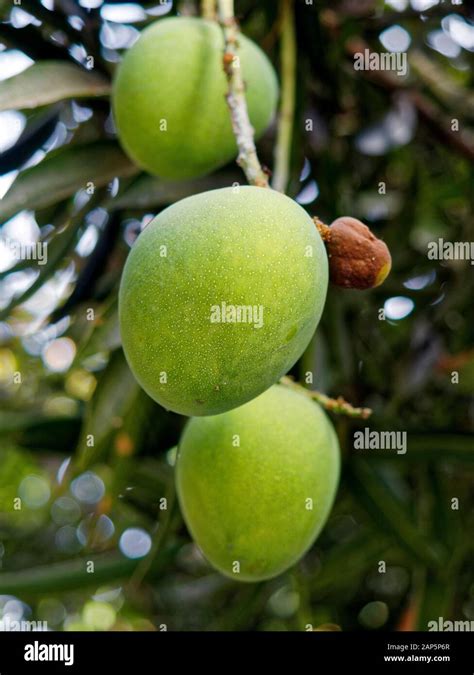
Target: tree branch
243, 130
461, 141
336, 405
441, 83
287, 108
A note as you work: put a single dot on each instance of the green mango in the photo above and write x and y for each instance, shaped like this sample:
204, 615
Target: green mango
256, 484
169, 97
220, 295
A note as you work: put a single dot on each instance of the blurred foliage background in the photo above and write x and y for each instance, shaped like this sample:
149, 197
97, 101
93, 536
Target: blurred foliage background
393, 151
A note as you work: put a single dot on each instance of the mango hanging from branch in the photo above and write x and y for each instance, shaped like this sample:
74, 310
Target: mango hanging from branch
357, 259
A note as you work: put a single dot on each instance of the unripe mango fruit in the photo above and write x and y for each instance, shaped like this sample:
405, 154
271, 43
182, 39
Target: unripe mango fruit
169, 97
256, 484
220, 295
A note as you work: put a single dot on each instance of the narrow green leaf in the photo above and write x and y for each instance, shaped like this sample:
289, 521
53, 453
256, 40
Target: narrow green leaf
103, 335
12, 420
149, 191
362, 550
115, 395
57, 251
63, 173
375, 495
435, 600
47, 82
71, 574
425, 447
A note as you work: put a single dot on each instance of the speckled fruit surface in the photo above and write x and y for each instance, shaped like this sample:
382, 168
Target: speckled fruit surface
253, 249
256, 484
169, 97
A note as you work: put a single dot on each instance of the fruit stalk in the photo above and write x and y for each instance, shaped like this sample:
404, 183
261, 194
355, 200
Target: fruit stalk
243, 130
336, 405
287, 107
208, 9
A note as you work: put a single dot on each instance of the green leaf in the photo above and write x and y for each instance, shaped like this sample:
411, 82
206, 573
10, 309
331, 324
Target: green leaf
434, 447
149, 191
62, 174
57, 216
71, 574
57, 251
336, 575
376, 496
115, 395
435, 599
48, 82
12, 420
103, 335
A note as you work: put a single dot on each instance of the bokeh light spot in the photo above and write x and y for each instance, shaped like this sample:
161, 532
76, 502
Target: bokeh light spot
398, 308
135, 543
59, 354
34, 491
88, 488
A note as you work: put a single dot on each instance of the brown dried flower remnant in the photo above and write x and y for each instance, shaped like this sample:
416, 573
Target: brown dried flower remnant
357, 259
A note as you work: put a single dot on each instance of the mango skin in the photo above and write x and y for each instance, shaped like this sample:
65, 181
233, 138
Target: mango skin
248, 504
173, 75
245, 246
